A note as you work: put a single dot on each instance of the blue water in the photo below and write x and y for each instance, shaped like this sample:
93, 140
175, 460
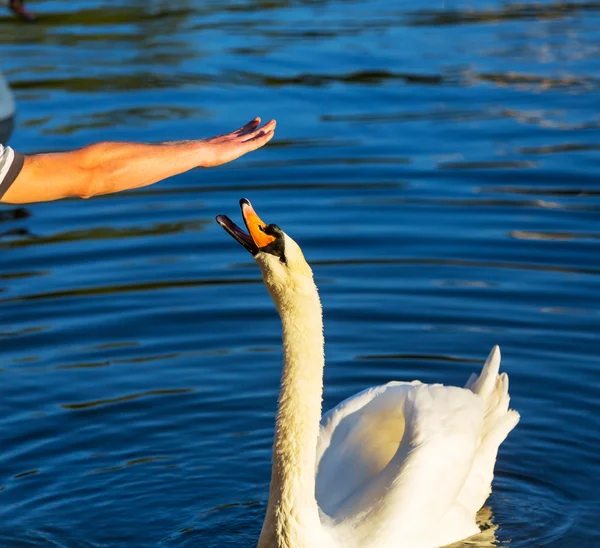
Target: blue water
440, 169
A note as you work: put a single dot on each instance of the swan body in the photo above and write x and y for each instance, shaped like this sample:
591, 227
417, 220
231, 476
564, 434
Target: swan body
402, 465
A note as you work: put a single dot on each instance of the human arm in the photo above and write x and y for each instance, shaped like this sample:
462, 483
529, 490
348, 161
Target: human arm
104, 168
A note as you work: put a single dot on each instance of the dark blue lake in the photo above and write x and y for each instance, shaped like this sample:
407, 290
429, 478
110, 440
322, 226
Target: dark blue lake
440, 168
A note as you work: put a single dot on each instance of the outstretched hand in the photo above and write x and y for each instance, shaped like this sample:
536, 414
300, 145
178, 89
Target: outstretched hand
225, 148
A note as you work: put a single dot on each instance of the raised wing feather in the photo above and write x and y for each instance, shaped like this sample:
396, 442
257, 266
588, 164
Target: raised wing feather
394, 459
358, 439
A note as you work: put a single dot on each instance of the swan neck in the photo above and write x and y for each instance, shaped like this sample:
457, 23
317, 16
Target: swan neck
298, 418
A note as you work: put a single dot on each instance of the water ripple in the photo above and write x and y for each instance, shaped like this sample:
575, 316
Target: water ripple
507, 13
122, 399
128, 288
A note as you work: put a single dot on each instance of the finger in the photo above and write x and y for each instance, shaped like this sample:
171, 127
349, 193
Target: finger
259, 140
269, 126
249, 127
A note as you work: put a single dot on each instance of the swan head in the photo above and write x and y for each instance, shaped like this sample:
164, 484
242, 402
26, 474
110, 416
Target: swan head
18, 8
284, 269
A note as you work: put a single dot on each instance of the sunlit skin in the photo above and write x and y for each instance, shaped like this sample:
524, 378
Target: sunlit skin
109, 167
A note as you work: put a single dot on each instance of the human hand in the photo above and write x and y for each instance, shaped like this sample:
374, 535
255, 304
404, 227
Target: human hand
225, 148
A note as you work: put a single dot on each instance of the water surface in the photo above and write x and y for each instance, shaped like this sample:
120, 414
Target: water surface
440, 169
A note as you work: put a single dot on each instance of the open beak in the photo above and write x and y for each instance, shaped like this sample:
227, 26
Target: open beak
20, 11
256, 237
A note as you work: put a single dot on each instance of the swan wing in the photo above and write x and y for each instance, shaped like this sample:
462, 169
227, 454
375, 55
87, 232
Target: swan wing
358, 438
411, 463
393, 460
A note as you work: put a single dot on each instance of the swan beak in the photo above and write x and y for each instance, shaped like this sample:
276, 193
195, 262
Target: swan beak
255, 225
19, 9
257, 238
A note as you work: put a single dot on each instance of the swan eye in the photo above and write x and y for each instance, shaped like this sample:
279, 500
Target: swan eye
272, 230
277, 246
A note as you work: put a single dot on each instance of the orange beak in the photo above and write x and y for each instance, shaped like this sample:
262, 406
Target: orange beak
257, 238
255, 225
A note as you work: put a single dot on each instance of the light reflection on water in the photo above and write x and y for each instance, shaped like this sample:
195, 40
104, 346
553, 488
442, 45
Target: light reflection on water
439, 168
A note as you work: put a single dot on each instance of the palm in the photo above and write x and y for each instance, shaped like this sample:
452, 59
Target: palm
225, 148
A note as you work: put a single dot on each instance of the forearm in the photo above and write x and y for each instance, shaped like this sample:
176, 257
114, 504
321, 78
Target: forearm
101, 169
113, 167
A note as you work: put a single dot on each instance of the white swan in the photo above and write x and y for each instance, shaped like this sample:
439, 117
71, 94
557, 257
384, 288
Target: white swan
403, 465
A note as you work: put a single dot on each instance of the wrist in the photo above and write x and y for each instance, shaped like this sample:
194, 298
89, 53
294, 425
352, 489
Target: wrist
191, 153
202, 153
